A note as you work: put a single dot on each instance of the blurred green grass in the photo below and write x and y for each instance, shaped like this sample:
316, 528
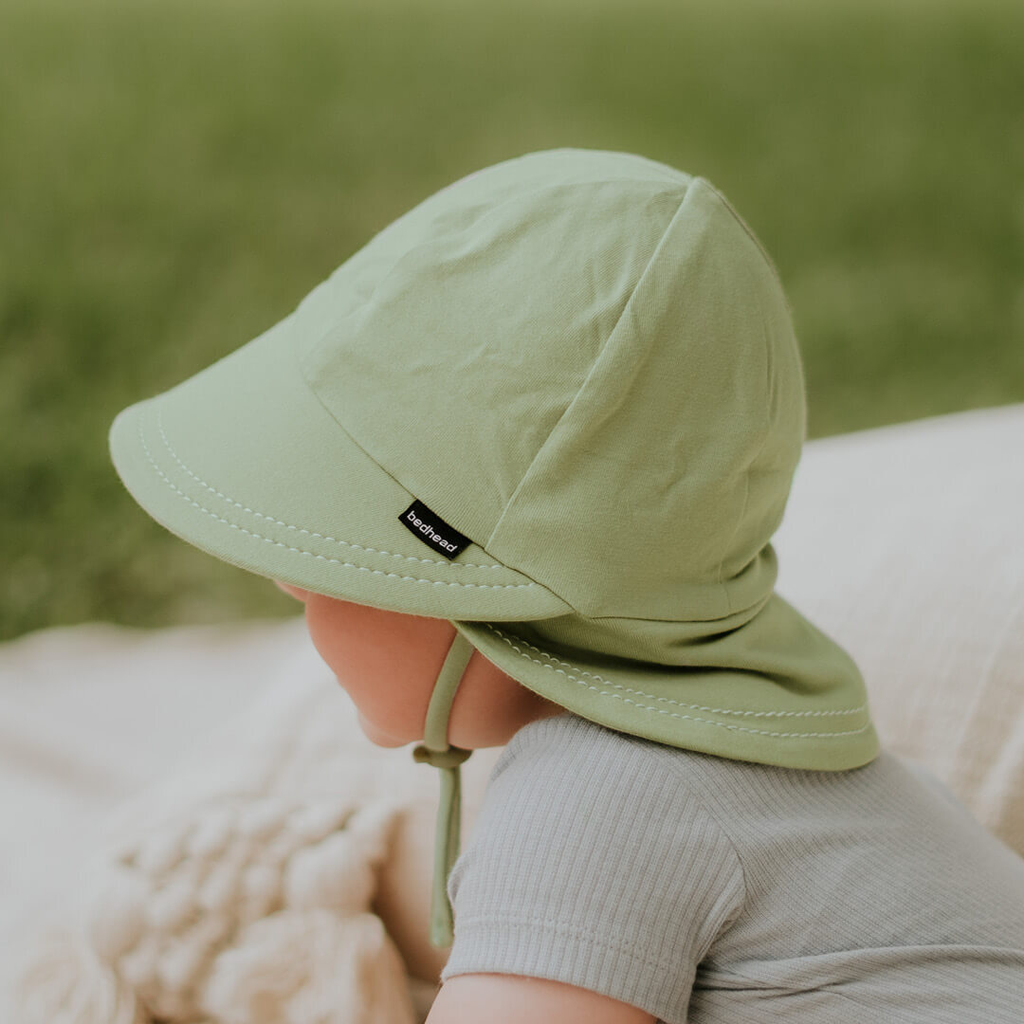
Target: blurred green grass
175, 176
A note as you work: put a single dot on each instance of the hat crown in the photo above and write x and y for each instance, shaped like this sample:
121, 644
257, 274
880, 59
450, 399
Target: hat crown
579, 367
582, 360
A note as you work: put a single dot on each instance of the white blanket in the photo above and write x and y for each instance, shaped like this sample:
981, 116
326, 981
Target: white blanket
198, 816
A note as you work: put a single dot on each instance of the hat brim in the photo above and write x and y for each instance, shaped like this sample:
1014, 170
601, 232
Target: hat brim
244, 462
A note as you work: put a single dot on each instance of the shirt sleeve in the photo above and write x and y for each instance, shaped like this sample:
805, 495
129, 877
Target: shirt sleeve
592, 863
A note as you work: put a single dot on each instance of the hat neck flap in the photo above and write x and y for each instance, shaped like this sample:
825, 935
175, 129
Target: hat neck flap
760, 684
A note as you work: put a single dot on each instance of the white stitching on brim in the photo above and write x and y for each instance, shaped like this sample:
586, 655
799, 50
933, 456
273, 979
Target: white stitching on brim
300, 529
313, 554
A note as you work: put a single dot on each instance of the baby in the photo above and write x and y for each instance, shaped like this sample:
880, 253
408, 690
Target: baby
521, 456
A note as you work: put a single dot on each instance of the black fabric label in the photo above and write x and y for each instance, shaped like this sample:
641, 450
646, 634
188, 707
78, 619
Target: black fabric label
433, 530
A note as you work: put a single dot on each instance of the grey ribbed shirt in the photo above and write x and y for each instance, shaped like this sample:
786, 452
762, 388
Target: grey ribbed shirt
703, 889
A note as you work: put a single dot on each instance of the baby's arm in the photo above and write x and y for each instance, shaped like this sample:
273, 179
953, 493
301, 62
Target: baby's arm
591, 887
516, 999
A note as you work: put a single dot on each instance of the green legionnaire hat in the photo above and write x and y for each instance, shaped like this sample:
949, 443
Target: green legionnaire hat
559, 403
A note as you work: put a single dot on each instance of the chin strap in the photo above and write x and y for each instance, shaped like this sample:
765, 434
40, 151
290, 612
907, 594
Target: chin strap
435, 750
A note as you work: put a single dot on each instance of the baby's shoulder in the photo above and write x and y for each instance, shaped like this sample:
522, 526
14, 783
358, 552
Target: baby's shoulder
583, 759
565, 762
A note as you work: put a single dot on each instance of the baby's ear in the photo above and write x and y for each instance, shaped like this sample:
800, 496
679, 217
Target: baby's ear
297, 592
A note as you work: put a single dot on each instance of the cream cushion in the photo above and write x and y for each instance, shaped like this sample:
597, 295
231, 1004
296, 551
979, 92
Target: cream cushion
906, 544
